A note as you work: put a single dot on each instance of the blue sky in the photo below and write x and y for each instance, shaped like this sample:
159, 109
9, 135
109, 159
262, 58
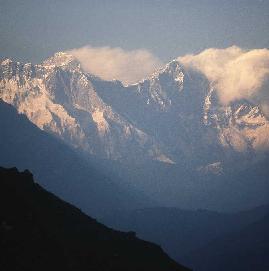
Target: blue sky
32, 30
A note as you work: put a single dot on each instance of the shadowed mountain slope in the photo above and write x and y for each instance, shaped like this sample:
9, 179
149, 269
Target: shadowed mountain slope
59, 168
243, 250
38, 231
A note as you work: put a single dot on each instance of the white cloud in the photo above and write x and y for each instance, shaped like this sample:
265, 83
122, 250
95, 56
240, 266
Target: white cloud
235, 73
115, 63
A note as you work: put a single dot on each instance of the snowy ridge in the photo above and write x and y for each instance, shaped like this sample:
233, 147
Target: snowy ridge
173, 114
58, 97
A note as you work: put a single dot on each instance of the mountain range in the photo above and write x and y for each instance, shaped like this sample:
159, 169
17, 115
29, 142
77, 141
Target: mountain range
167, 135
117, 151
173, 115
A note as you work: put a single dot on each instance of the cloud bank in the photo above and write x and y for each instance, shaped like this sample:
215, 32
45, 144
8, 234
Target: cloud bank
115, 63
235, 73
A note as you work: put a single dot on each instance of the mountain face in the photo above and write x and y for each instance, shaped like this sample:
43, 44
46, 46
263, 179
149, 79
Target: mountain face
180, 108
59, 168
169, 133
38, 231
59, 98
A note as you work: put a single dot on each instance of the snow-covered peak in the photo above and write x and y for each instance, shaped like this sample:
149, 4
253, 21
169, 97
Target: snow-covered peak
172, 66
59, 97
174, 69
161, 88
62, 59
6, 61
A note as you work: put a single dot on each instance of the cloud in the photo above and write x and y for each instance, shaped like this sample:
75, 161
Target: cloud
235, 73
115, 63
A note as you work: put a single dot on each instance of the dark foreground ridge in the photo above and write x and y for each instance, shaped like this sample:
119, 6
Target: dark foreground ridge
38, 231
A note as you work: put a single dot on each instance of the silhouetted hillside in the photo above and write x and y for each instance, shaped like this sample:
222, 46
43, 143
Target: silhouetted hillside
59, 168
38, 231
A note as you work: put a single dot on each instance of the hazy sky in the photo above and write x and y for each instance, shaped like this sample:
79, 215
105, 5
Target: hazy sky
31, 30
